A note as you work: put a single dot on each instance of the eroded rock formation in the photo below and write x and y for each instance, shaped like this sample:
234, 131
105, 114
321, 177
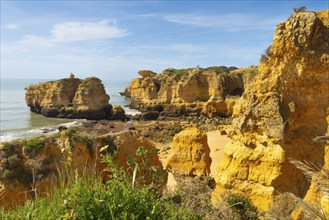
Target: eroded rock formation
318, 194
190, 153
66, 151
196, 91
283, 110
70, 98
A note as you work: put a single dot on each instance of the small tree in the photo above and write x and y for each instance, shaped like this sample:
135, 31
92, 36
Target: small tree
35, 164
300, 9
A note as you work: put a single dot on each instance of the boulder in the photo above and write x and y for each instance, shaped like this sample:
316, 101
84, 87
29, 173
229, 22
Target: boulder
150, 115
117, 113
146, 73
190, 153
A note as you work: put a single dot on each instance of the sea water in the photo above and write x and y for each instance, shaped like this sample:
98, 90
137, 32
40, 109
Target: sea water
16, 120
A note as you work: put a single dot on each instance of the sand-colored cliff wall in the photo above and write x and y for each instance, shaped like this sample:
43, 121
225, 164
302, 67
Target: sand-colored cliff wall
70, 98
283, 110
196, 91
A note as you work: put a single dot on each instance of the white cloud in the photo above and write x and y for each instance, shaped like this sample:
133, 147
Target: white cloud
12, 26
232, 21
77, 31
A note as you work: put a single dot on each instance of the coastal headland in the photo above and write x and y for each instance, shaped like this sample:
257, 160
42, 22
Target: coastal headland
242, 131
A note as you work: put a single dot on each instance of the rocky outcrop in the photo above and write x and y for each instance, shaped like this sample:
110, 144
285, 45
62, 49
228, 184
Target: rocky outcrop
117, 113
190, 153
67, 151
283, 110
196, 91
69, 98
146, 73
318, 194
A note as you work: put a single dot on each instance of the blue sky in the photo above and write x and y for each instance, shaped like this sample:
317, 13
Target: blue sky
115, 39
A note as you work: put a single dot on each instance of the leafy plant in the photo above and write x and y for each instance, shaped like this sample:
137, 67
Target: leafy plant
319, 175
241, 205
33, 145
143, 173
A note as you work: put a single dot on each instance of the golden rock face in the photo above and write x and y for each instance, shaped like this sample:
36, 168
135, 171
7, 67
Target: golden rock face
190, 153
195, 91
285, 107
69, 98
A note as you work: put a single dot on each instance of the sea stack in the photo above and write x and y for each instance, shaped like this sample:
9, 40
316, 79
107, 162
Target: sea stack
70, 98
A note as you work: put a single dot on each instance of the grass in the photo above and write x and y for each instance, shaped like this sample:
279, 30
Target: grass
88, 197
241, 206
124, 196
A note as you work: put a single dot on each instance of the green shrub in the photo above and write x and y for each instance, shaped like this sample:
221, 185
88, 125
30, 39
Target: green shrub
6, 174
219, 69
241, 205
300, 9
33, 145
8, 147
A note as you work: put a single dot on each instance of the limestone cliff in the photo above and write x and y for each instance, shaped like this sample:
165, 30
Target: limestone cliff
66, 151
70, 98
211, 91
190, 153
318, 194
283, 110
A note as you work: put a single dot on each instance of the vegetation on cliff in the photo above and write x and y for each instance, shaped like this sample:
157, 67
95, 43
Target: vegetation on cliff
122, 196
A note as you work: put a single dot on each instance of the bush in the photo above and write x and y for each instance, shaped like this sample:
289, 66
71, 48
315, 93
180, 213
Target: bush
220, 69
300, 9
33, 145
194, 194
241, 205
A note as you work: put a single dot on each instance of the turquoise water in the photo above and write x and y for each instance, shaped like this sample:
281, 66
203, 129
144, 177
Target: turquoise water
16, 120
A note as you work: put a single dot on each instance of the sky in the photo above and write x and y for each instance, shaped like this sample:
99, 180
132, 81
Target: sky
115, 39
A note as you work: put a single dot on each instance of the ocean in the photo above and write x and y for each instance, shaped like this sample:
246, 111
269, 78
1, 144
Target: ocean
16, 120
